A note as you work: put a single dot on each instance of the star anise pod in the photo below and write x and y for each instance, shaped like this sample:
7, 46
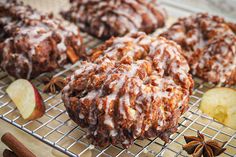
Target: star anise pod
53, 84
197, 146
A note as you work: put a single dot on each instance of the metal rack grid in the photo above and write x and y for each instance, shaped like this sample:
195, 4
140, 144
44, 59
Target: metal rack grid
56, 129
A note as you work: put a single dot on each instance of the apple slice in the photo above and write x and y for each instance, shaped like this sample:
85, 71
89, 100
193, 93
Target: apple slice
72, 55
220, 104
27, 99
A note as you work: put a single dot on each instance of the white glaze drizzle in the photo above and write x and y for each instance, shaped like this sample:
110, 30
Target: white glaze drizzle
161, 55
42, 29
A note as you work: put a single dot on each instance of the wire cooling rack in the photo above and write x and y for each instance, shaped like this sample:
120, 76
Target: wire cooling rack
56, 129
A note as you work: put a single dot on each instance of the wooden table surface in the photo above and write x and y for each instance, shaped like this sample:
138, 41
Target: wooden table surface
37, 147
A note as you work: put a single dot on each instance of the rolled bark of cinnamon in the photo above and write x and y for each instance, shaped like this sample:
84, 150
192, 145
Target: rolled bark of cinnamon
8, 153
16, 146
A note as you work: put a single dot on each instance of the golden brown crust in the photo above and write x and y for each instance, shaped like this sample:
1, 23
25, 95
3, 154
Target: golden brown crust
107, 18
32, 43
209, 44
136, 86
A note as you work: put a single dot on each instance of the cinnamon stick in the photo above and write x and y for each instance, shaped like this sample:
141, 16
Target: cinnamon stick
8, 153
16, 146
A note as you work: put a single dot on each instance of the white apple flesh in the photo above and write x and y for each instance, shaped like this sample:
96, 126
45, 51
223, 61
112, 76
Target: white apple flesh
26, 98
220, 104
